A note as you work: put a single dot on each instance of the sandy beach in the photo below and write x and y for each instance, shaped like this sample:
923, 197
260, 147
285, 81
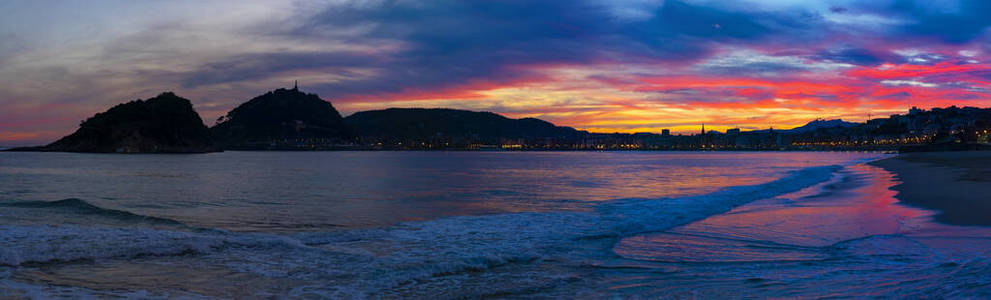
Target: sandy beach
957, 184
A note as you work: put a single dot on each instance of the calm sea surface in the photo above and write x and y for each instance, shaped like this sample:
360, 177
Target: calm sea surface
292, 191
468, 224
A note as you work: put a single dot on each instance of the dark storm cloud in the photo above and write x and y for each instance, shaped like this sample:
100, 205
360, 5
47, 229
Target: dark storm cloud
857, 56
754, 69
677, 18
448, 43
263, 65
971, 21
952, 22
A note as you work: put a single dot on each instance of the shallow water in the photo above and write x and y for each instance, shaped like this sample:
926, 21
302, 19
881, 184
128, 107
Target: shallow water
468, 224
306, 191
846, 237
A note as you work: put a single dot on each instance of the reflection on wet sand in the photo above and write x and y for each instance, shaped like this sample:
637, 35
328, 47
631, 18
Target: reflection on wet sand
846, 237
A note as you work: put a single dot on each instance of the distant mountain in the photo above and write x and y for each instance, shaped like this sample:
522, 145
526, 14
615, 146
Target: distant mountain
425, 124
281, 119
820, 124
163, 124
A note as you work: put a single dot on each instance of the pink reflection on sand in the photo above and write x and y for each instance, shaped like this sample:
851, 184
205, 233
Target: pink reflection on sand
857, 203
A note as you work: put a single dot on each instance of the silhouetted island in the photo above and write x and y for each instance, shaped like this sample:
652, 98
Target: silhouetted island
451, 127
288, 119
164, 124
284, 119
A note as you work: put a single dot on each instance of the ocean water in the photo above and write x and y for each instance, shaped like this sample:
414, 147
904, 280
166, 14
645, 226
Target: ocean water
473, 224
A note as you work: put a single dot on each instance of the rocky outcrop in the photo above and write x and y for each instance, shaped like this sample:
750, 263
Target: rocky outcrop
163, 124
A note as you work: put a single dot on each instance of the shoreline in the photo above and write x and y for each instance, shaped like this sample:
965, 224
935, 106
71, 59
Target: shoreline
957, 185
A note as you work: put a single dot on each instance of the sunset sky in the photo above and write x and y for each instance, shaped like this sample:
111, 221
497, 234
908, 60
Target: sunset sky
604, 66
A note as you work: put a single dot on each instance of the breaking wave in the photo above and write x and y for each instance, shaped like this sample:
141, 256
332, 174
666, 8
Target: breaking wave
412, 258
77, 206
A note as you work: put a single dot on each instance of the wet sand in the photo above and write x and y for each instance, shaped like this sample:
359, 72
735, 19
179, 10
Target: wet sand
846, 238
956, 184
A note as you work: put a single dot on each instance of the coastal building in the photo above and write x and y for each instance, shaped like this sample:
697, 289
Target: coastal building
703, 139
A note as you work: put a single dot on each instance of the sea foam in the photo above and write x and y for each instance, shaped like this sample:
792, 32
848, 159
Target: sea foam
412, 258
49, 244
